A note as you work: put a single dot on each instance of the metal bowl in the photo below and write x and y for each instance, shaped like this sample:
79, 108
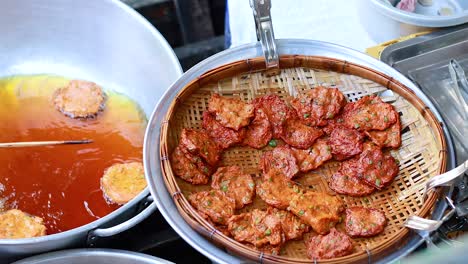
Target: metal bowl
94, 256
426, 16
285, 47
104, 41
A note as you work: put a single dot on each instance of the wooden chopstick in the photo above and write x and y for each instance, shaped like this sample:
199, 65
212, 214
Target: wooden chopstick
43, 143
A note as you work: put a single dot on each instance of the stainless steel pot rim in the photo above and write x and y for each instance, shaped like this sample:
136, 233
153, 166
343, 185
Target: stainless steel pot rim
151, 154
421, 20
97, 223
95, 252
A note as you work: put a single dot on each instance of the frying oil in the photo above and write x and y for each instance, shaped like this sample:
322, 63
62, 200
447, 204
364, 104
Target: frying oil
61, 184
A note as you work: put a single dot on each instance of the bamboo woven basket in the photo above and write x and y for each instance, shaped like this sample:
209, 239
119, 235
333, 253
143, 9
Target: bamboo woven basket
421, 155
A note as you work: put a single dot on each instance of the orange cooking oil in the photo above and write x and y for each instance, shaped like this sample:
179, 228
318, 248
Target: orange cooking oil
61, 184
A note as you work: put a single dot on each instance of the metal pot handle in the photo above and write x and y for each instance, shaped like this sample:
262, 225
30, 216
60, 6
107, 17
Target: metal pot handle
93, 235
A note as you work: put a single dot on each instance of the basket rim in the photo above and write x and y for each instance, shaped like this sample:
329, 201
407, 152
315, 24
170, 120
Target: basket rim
291, 61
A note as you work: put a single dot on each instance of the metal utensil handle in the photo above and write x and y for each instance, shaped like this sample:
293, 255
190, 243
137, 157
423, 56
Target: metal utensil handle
446, 178
265, 34
93, 235
458, 76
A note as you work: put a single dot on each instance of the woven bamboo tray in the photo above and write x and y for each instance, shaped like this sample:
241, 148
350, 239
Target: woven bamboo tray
421, 155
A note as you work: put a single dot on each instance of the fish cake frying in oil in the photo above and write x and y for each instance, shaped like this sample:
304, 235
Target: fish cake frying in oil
388, 138
280, 158
259, 132
79, 99
364, 222
319, 210
314, 157
230, 112
200, 144
318, 105
333, 245
122, 182
276, 190
257, 227
213, 205
349, 185
223, 136
369, 113
235, 184
293, 227
192, 170
372, 166
15, 223
345, 142
298, 135
276, 110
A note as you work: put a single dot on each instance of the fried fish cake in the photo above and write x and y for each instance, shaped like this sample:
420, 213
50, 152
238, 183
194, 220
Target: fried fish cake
256, 227
223, 136
318, 105
259, 132
15, 223
214, 205
276, 190
333, 245
319, 210
349, 185
389, 138
280, 158
235, 184
276, 110
267, 249
79, 99
230, 112
314, 157
369, 113
345, 142
298, 135
293, 227
200, 144
374, 167
364, 222
187, 169
122, 182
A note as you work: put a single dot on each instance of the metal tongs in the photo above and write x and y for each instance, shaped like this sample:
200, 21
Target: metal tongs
43, 143
459, 80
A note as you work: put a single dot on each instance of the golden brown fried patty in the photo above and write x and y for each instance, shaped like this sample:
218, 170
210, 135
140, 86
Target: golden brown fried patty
333, 245
314, 157
276, 110
293, 227
230, 112
235, 184
213, 205
188, 169
318, 105
298, 135
345, 142
223, 136
319, 210
374, 167
276, 190
17, 224
389, 138
80, 99
282, 159
200, 144
369, 113
257, 227
259, 131
364, 222
122, 182
349, 185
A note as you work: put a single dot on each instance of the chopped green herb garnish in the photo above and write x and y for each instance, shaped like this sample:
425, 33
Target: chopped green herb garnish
366, 200
377, 182
330, 115
370, 162
268, 232
367, 119
385, 119
272, 143
301, 212
357, 125
205, 170
270, 179
251, 185
306, 115
224, 188
208, 203
350, 222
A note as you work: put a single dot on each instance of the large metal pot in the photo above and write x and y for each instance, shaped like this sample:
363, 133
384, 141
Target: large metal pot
104, 41
95, 256
152, 156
